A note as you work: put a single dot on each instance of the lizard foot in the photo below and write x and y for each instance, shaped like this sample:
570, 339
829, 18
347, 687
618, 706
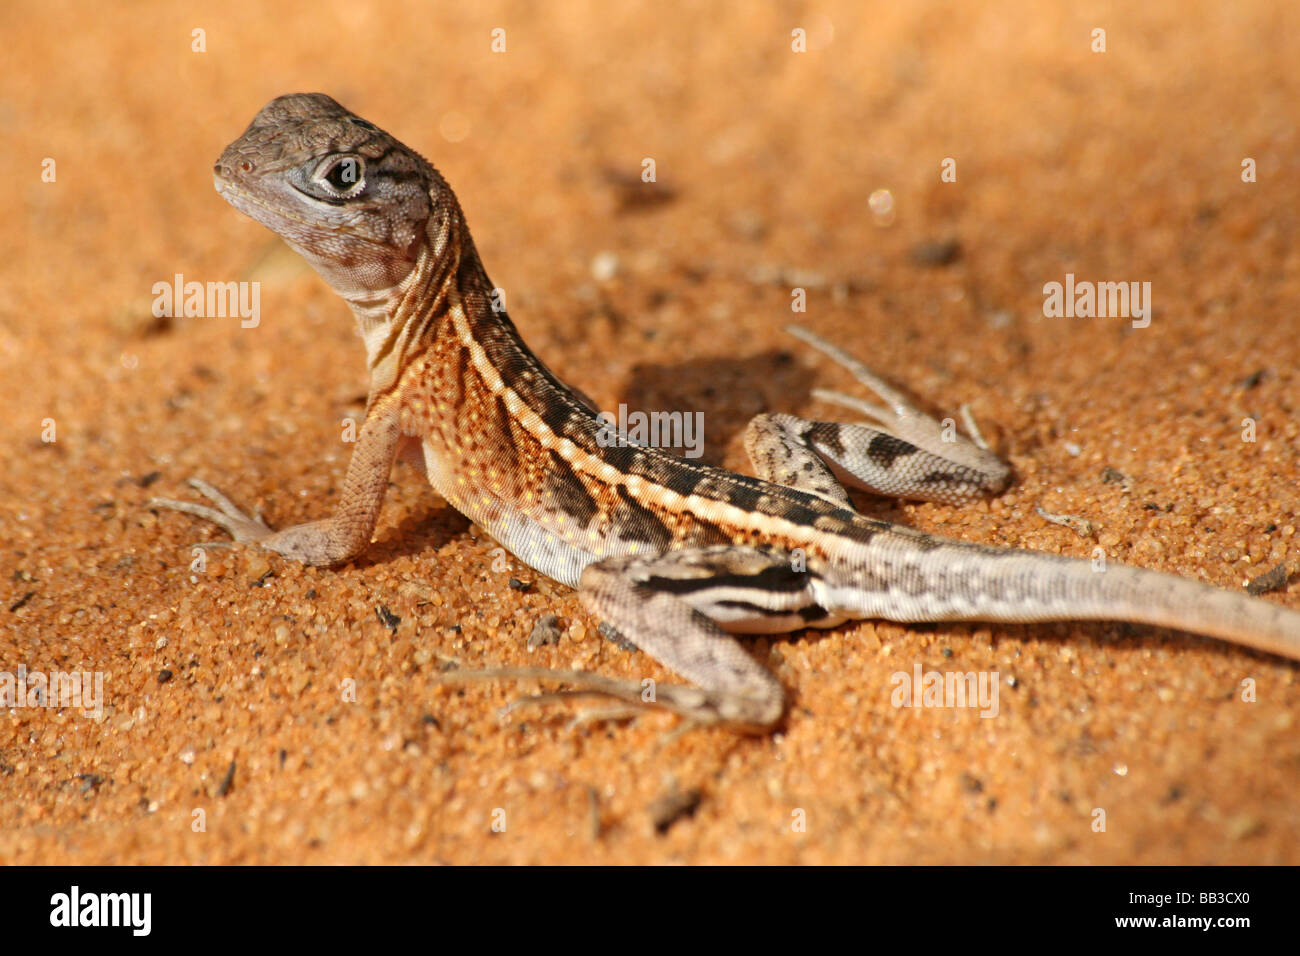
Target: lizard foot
240, 526
688, 702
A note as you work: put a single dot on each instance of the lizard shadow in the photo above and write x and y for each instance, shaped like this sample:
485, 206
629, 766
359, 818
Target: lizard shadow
428, 525
726, 392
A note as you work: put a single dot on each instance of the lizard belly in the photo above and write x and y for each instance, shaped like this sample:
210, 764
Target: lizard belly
544, 546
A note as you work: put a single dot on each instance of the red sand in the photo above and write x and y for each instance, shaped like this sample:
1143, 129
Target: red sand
1123, 165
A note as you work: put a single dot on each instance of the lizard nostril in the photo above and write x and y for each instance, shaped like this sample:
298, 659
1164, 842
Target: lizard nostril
222, 169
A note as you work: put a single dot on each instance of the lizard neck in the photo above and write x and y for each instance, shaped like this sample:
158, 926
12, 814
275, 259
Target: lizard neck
404, 321
453, 317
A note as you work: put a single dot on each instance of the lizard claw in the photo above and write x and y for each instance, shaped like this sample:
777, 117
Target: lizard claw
243, 528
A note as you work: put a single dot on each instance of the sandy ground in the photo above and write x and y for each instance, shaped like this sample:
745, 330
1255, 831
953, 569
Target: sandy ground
228, 734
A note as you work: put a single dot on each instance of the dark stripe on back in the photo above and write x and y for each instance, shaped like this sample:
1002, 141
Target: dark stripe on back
744, 496
538, 387
554, 412
529, 378
629, 459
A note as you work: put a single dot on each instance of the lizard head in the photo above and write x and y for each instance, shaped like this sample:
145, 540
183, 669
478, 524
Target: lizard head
350, 199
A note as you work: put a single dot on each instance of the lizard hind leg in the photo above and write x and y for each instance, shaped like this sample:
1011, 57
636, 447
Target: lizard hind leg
677, 607
901, 451
781, 453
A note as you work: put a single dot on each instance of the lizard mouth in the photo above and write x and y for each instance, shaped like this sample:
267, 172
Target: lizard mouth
227, 187
250, 204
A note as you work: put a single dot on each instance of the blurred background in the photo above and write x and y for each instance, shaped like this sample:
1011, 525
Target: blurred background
794, 145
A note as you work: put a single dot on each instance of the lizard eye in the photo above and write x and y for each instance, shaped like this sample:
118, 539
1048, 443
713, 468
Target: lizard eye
343, 176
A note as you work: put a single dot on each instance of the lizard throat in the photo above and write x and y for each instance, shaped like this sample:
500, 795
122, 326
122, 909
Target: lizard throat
402, 321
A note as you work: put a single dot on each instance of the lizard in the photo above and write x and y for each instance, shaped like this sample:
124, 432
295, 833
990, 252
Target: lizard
675, 555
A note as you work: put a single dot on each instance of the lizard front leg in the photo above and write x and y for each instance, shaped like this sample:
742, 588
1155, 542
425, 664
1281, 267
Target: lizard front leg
332, 540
